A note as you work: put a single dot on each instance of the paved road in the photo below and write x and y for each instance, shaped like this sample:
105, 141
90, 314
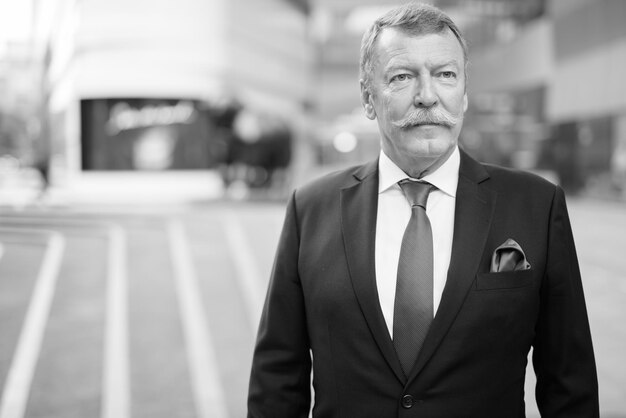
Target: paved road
134, 313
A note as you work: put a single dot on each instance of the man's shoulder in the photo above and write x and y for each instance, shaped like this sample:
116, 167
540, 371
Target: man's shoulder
516, 179
502, 178
330, 184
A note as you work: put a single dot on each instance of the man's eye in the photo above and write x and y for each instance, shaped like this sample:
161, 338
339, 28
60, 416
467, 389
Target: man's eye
448, 74
400, 77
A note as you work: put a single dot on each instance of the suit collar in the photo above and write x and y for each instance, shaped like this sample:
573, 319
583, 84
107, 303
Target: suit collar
472, 169
359, 206
366, 170
474, 208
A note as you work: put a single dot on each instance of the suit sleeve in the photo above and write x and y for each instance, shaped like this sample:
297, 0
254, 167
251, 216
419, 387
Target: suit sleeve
567, 384
281, 365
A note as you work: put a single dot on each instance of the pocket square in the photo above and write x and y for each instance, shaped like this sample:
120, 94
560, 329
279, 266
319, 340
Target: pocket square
509, 257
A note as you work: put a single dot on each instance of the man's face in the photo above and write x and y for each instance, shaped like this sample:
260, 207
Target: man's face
417, 73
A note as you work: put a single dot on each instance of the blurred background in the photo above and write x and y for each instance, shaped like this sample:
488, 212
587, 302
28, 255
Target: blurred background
263, 93
147, 148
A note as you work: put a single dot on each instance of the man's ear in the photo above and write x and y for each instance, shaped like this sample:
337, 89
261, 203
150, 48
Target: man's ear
465, 103
366, 101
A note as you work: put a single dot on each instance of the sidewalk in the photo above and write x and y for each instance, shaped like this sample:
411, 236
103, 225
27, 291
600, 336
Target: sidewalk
113, 188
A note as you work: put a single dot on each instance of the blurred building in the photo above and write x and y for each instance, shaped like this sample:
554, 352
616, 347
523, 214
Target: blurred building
20, 118
137, 87
19, 101
559, 101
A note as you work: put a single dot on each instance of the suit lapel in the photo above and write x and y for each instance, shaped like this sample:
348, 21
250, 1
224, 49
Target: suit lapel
359, 205
473, 212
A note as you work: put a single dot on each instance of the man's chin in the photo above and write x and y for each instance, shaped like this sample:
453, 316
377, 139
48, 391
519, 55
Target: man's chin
431, 148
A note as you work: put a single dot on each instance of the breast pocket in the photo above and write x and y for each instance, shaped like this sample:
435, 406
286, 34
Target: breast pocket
504, 280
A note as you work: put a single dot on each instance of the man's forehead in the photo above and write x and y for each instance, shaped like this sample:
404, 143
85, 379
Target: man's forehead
395, 32
395, 43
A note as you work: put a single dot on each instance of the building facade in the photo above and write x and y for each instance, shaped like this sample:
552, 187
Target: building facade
136, 87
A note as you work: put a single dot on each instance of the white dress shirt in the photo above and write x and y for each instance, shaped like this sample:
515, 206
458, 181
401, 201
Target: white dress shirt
393, 216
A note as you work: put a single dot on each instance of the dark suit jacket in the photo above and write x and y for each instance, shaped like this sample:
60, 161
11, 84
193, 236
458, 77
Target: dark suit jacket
322, 309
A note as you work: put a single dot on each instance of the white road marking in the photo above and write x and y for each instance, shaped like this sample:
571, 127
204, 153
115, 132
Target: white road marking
22, 369
248, 277
116, 376
208, 394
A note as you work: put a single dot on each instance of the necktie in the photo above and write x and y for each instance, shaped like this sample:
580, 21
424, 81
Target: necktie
413, 308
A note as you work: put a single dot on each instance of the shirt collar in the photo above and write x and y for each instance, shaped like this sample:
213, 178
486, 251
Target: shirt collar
445, 178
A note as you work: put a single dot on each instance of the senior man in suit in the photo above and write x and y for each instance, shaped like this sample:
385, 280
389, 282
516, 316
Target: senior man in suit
415, 285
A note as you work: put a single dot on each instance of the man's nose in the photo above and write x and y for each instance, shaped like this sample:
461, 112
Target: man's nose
425, 95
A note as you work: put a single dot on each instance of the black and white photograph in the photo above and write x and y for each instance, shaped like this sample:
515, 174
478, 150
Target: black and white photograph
312, 209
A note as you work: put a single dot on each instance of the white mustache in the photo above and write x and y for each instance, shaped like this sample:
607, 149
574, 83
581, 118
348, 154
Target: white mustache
430, 116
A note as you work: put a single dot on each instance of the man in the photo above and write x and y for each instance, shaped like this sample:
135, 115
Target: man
411, 313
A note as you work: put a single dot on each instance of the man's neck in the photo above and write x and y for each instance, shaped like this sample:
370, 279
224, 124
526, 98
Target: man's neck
419, 169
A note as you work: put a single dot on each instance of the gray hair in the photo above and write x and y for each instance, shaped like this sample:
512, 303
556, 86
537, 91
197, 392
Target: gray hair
414, 18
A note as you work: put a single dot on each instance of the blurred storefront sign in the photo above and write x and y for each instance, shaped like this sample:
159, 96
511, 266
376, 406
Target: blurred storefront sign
145, 134
123, 116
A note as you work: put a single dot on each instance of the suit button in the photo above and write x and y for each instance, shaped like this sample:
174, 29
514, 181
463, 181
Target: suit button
407, 401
